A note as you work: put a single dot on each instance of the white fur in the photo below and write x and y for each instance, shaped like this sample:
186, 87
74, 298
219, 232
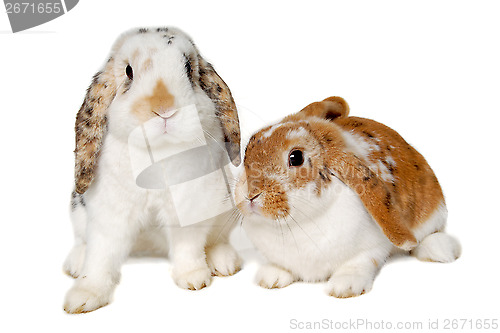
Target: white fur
271, 276
271, 130
295, 134
119, 216
434, 244
359, 146
333, 238
390, 161
328, 238
438, 247
222, 259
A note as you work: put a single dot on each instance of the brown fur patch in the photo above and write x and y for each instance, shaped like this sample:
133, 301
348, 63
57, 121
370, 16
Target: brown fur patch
159, 101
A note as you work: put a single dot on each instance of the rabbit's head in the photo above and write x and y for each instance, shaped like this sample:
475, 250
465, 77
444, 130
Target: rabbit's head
153, 76
286, 163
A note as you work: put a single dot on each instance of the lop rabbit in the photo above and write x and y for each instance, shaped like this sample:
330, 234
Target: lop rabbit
328, 197
153, 80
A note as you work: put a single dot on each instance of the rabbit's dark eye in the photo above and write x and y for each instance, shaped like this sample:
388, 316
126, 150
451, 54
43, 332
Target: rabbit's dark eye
129, 72
296, 158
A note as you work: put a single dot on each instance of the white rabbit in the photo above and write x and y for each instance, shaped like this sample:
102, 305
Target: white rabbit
153, 77
329, 197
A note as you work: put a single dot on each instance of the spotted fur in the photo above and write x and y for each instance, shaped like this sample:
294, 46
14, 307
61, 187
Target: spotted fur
394, 181
219, 93
90, 126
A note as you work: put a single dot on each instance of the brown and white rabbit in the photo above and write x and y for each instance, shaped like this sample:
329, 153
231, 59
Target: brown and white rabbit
154, 82
329, 197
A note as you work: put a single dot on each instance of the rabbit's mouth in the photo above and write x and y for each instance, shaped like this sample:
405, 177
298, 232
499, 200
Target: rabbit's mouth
165, 116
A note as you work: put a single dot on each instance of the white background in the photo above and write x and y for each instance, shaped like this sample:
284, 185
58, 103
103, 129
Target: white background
429, 69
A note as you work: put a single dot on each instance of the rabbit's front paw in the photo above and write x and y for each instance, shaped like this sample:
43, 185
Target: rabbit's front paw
81, 300
271, 276
349, 285
195, 279
74, 261
223, 260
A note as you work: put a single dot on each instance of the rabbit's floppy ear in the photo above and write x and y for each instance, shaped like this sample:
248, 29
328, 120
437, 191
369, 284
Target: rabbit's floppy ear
91, 125
362, 154
377, 196
330, 108
345, 160
218, 91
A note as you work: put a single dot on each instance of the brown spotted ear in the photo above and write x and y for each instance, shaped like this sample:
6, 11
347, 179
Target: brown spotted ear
390, 200
90, 126
330, 108
219, 93
377, 197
